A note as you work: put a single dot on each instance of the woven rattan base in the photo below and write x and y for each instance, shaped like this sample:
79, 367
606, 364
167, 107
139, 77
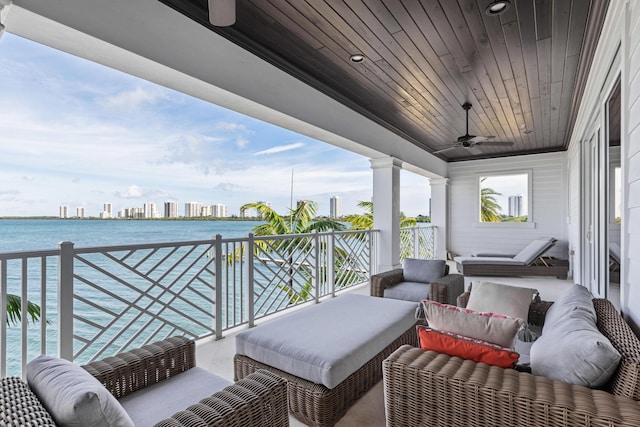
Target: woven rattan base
315, 404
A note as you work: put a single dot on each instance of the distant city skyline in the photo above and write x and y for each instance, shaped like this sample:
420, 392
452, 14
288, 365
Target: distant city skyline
77, 133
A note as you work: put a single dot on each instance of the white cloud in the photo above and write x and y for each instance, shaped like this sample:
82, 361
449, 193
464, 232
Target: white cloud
133, 99
131, 193
280, 149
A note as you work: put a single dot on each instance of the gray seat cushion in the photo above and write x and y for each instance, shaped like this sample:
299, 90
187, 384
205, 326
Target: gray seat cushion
156, 402
327, 342
422, 270
487, 260
408, 291
535, 249
72, 396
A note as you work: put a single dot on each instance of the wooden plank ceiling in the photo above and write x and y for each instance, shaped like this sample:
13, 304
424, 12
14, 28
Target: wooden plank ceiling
523, 70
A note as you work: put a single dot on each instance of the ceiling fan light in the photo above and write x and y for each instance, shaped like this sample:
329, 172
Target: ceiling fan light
222, 13
497, 7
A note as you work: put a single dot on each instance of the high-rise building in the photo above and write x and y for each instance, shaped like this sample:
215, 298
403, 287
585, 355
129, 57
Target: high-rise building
191, 210
150, 210
80, 212
515, 205
107, 210
64, 211
219, 211
335, 207
171, 209
205, 211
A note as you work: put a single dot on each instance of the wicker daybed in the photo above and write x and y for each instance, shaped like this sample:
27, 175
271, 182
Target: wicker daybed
357, 327
429, 388
260, 400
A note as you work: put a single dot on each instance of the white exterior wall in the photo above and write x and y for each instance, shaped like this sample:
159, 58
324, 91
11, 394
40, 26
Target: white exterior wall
548, 205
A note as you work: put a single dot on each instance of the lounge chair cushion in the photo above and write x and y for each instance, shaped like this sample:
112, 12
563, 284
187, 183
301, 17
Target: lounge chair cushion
575, 351
422, 270
534, 249
72, 396
408, 291
487, 260
327, 342
174, 394
494, 328
513, 301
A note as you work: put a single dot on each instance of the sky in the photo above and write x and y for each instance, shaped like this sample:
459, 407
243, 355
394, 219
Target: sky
77, 133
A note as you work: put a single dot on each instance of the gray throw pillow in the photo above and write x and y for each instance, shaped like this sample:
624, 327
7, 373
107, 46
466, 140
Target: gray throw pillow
422, 270
491, 297
575, 352
577, 297
72, 396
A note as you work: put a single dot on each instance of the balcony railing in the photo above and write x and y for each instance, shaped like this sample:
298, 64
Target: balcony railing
98, 301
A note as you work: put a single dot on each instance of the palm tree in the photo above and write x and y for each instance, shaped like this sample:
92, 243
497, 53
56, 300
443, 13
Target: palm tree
301, 220
365, 221
14, 310
489, 207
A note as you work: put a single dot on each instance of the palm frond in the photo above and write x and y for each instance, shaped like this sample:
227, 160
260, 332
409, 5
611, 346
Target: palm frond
14, 310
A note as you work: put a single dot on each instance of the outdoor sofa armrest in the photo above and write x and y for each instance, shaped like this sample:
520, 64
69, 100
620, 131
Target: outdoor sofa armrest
258, 400
430, 388
447, 288
463, 299
381, 281
133, 370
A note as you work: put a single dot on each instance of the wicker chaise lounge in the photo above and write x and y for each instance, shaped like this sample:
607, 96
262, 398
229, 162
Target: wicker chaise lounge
424, 388
530, 261
164, 371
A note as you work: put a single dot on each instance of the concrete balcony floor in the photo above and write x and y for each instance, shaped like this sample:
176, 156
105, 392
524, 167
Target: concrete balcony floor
217, 356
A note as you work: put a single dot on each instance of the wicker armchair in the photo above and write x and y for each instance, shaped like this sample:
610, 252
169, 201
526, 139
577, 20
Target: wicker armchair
258, 400
428, 388
445, 289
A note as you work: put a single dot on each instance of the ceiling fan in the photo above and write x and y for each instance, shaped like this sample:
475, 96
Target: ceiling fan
470, 141
222, 13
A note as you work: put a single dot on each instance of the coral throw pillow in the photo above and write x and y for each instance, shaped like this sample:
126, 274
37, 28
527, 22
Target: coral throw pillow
466, 348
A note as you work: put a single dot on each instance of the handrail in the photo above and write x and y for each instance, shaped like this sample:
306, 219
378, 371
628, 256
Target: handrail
96, 301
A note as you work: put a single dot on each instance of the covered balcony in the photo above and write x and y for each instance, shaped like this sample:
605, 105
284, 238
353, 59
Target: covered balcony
554, 84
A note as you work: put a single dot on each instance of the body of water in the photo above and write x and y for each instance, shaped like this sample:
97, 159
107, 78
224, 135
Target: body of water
35, 234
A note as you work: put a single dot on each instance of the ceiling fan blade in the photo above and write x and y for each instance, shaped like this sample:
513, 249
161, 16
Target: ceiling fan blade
495, 143
445, 149
222, 13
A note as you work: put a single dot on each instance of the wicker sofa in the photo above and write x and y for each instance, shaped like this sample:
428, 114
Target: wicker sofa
428, 388
258, 400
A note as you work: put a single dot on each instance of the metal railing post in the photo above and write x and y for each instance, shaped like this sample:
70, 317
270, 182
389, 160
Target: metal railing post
250, 284
316, 271
415, 234
217, 260
331, 262
65, 301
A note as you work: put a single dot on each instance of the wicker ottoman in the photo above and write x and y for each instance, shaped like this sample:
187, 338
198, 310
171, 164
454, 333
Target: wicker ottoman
330, 353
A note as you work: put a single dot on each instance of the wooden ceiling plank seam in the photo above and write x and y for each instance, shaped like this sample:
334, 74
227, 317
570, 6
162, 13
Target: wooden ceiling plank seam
515, 110
526, 24
568, 86
495, 34
543, 14
332, 45
560, 34
577, 26
556, 94
428, 29
429, 92
483, 45
384, 15
544, 77
436, 13
459, 17
290, 24
383, 51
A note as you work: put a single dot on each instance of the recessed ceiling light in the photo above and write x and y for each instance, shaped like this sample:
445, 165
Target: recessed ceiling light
497, 7
358, 57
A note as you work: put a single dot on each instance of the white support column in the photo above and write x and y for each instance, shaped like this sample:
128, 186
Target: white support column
386, 210
440, 215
